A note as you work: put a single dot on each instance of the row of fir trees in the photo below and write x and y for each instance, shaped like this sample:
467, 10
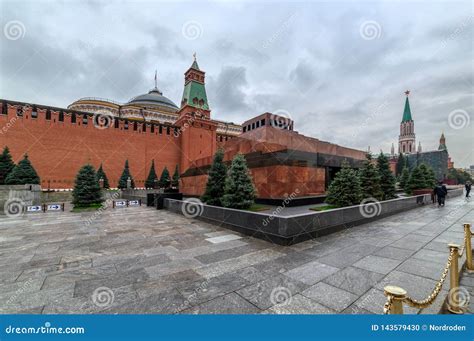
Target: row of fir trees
231, 187
376, 181
20, 174
87, 188
350, 186
152, 181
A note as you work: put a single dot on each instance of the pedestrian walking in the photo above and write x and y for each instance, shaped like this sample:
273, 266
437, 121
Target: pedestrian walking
440, 191
468, 188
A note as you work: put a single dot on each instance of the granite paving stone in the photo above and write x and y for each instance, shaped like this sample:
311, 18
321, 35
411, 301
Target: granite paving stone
155, 261
394, 253
228, 304
354, 280
329, 296
299, 305
311, 273
265, 294
377, 264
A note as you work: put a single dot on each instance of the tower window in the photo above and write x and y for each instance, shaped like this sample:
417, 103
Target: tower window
258, 124
34, 113
245, 129
84, 119
152, 128
144, 127
48, 114
116, 123
135, 126
61, 116
160, 129
4, 108
73, 118
125, 125
167, 130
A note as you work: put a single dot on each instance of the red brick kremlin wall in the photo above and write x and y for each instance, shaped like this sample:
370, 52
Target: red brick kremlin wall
58, 149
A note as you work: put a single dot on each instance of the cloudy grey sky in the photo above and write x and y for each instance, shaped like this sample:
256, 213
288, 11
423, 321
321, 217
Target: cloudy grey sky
339, 68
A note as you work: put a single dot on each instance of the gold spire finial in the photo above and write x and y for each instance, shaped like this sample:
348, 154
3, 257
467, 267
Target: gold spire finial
194, 55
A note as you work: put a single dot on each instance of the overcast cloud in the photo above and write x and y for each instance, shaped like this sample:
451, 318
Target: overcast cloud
339, 68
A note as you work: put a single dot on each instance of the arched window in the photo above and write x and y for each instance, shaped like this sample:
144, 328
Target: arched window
61, 116
48, 114
73, 118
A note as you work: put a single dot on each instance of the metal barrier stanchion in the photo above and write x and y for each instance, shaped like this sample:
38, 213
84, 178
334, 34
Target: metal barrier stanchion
395, 297
468, 247
453, 301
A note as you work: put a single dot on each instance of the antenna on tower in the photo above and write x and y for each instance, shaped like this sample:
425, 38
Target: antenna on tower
156, 75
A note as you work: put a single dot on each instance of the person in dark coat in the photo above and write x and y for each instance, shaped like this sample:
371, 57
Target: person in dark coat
440, 192
468, 188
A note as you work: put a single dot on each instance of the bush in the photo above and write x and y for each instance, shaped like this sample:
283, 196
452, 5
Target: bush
165, 179
404, 178
152, 177
417, 180
6, 165
429, 175
23, 173
387, 179
86, 191
239, 190
215, 186
345, 189
122, 183
175, 179
101, 175
370, 180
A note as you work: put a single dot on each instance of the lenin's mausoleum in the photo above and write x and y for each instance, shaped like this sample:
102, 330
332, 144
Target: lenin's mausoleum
150, 127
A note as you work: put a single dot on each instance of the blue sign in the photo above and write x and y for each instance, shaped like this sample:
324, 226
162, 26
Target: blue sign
237, 327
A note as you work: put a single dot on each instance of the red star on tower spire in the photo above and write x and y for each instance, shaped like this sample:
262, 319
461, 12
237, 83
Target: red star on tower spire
407, 92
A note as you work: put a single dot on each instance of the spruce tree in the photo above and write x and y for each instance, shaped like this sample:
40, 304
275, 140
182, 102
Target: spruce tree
101, 175
122, 183
404, 178
23, 173
175, 179
152, 177
345, 189
6, 165
370, 180
401, 163
165, 178
239, 191
428, 173
86, 188
417, 180
216, 180
387, 179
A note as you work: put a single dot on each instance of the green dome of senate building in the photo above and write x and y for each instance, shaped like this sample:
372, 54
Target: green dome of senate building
153, 97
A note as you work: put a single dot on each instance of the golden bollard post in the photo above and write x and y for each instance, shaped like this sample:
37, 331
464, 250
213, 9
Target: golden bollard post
398, 295
453, 299
468, 247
